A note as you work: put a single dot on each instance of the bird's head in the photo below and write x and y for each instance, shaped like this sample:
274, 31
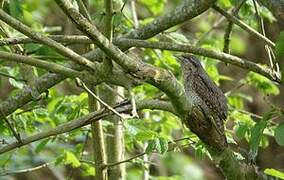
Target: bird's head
189, 63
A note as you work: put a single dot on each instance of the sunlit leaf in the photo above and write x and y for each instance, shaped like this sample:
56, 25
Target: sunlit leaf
87, 170
155, 6
262, 83
71, 159
274, 172
17, 84
145, 135
238, 45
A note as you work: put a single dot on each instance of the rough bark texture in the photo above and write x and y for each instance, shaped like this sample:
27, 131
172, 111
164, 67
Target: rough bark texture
160, 78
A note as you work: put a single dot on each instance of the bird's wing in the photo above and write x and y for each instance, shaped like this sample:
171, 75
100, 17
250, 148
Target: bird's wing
209, 92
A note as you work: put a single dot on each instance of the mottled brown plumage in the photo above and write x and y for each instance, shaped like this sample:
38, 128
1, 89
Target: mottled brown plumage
210, 105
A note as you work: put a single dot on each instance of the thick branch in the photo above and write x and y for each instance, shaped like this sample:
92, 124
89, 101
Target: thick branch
48, 80
160, 78
180, 14
125, 42
49, 66
227, 58
187, 10
45, 40
155, 76
74, 39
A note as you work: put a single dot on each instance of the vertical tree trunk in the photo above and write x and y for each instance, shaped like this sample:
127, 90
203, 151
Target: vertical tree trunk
114, 137
98, 143
115, 142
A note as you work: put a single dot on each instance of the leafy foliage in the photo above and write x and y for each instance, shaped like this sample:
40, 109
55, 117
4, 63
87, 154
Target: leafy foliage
262, 83
249, 124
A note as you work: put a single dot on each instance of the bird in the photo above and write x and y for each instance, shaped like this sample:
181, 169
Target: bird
209, 110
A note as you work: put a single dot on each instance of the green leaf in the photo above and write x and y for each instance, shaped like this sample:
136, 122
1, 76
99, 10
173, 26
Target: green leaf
274, 172
155, 6
241, 130
279, 46
262, 83
164, 145
225, 3
256, 135
279, 134
87, 170
236, 99
71, 159
59, 160
16, 84
41, 145
152, 144
200, 152
16, 9
159, 145
145, 135
242, 118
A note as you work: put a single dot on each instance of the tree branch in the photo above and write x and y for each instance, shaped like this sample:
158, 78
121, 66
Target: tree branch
25, 170
49, 66
187, 10
125, 42
45, 40
227, 58
160, 78
83, 85
85, 120
244, 26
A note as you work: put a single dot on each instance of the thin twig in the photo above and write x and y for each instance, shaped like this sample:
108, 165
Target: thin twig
227, 35
49, 66
134, 14
9, 76
243, 25
85, 144
133, 104
227, 58
246, 112
274, 65
16, 24
82, 84
14, 132
114, 91
83, 9
26, 170
29, 110
143, 153
238, 86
